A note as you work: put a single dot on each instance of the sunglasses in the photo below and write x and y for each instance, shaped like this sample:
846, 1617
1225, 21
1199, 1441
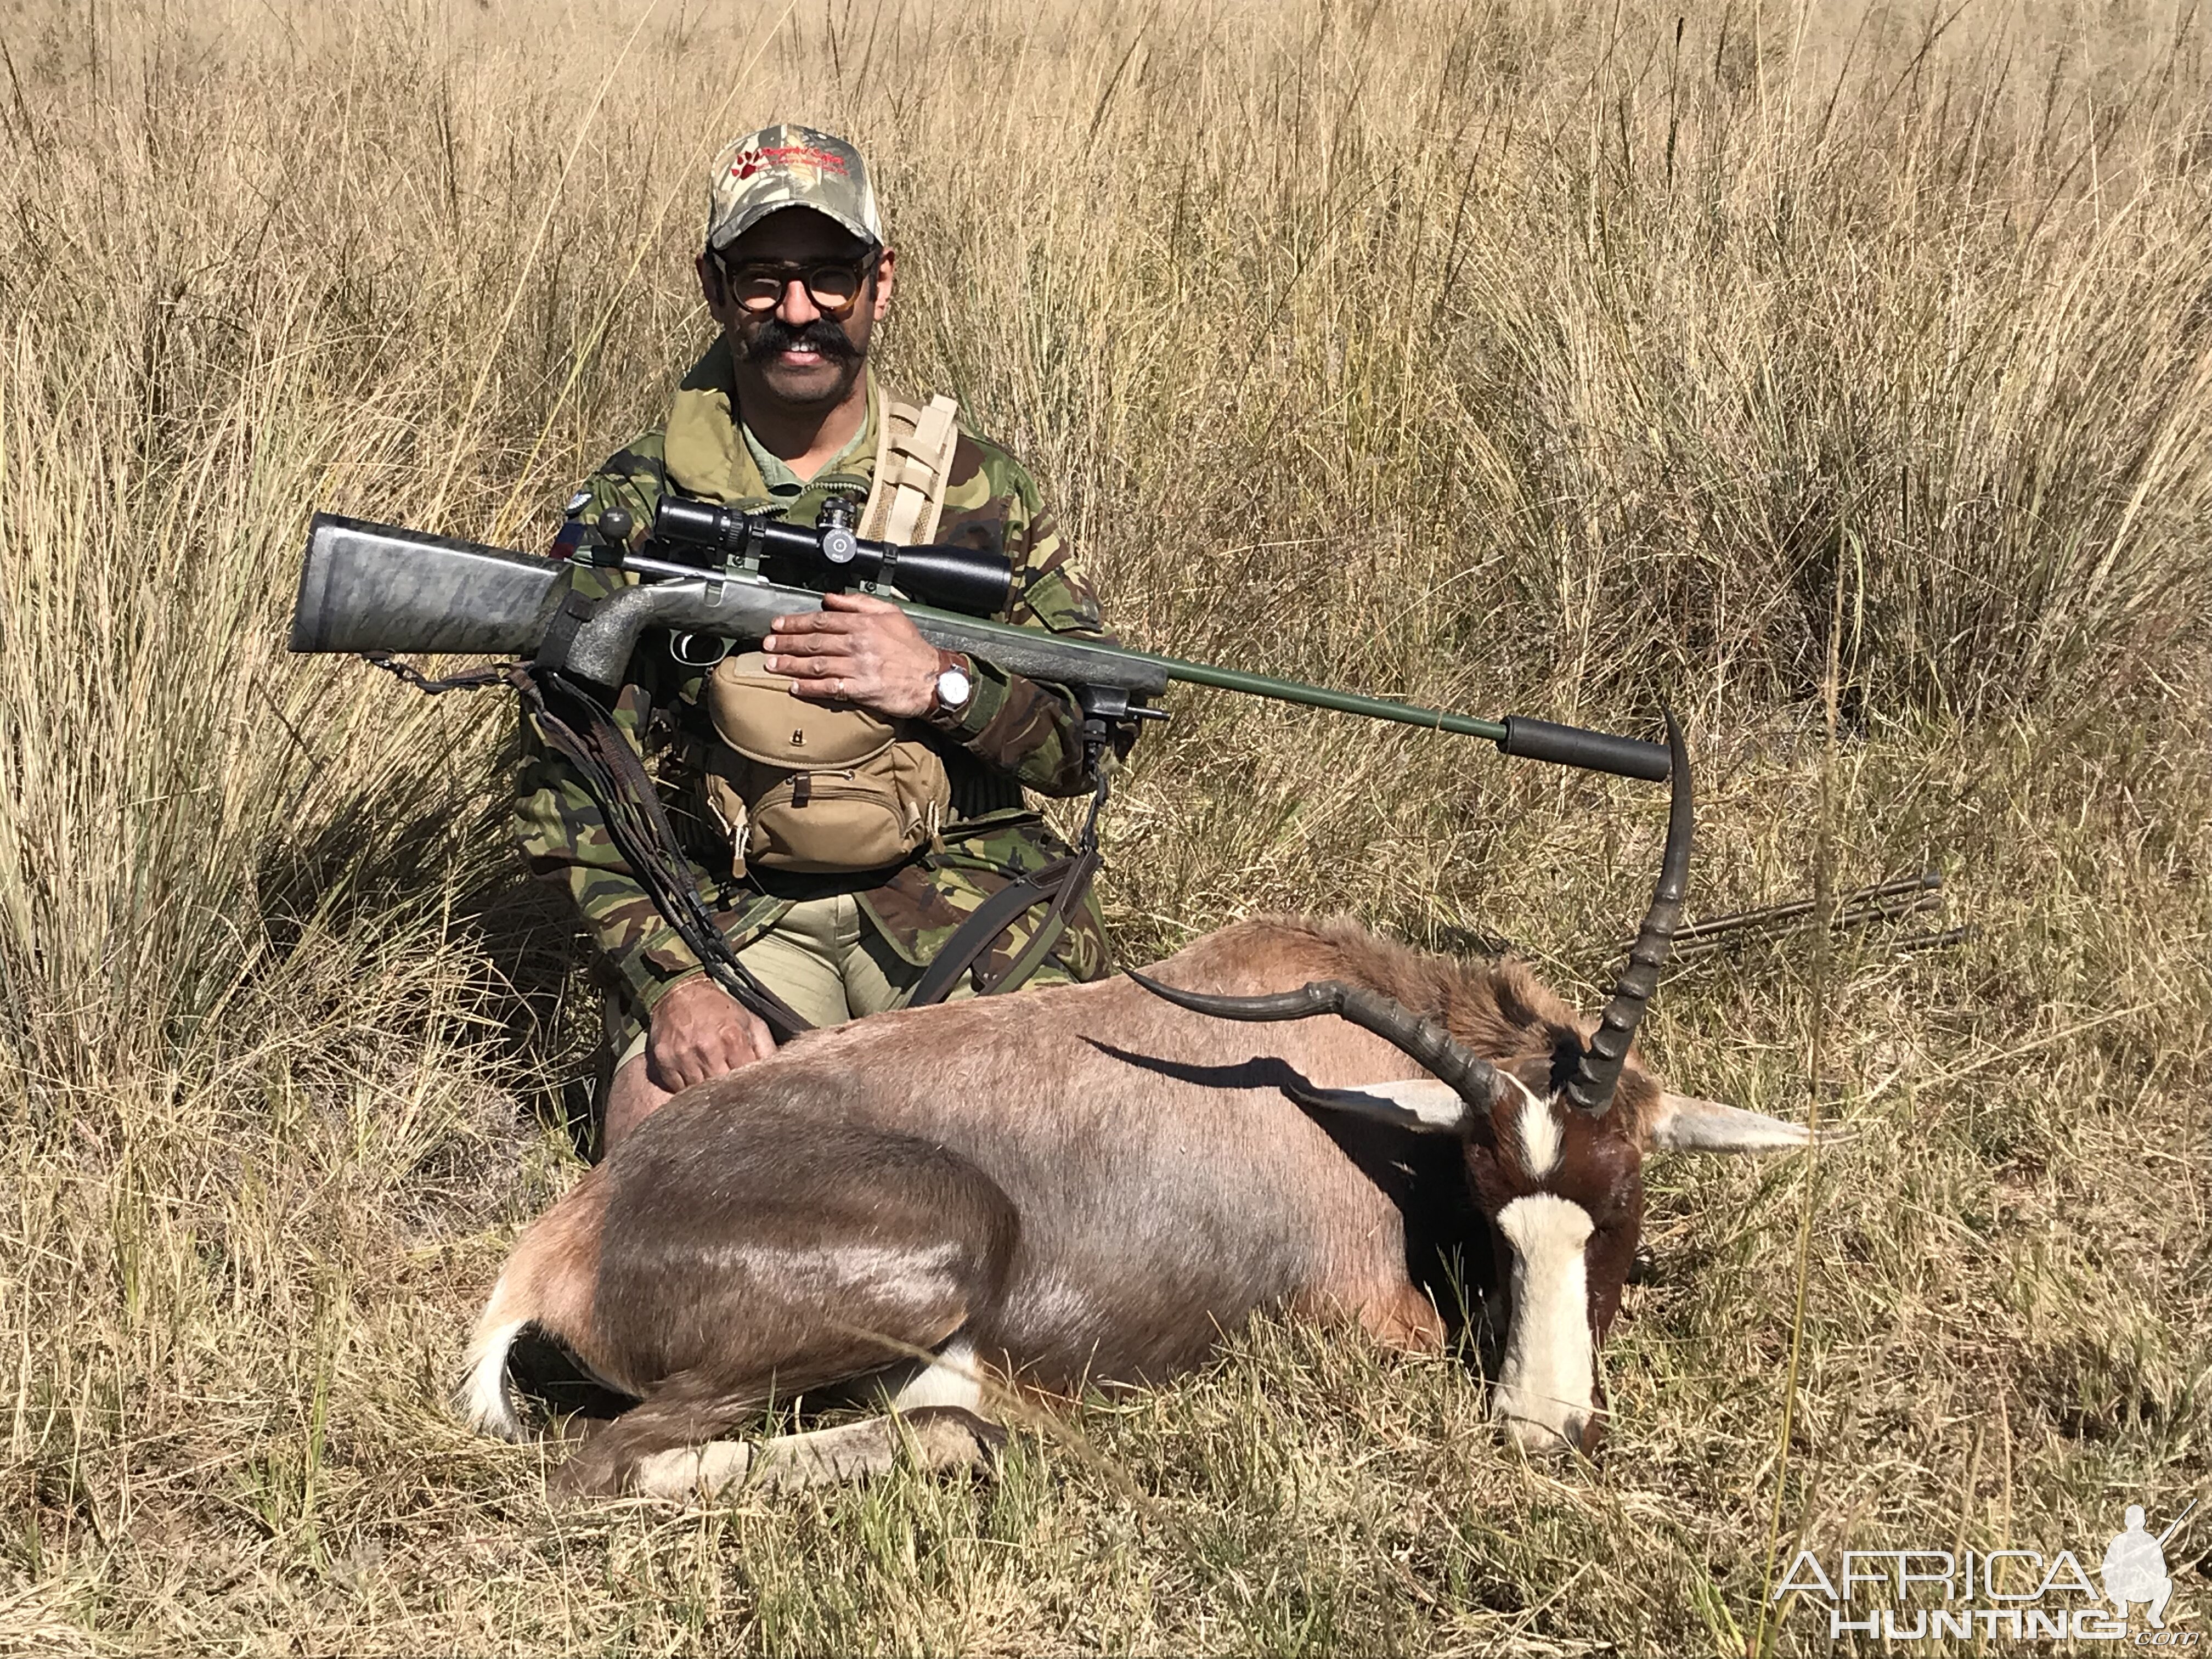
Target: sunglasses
834, 286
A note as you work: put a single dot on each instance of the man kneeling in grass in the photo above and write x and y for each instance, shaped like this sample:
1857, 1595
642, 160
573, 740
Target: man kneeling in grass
848, 794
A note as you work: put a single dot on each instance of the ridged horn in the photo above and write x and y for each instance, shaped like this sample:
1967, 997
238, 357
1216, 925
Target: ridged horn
1599, 1068
1469, 1075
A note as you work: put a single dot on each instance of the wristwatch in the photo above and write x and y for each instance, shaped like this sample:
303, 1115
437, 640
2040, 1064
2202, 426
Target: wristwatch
955, 685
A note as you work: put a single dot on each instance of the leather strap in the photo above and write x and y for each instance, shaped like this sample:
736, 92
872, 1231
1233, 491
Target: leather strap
629, 804
1061, 883
1064, 881
1073, 887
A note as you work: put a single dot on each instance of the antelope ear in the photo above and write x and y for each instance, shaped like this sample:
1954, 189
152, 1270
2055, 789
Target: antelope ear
1421, 1103
1686, 1124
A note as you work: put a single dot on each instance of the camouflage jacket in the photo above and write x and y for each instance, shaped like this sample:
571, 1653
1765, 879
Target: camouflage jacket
1016, 732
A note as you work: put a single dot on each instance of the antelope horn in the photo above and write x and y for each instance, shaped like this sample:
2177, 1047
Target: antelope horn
1599, 1068
1470, 1076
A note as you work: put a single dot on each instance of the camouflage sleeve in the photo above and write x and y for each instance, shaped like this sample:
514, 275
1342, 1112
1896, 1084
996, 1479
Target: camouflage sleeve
560, 830
1028, 728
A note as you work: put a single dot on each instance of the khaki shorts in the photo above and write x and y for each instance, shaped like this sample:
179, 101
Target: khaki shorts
825, 960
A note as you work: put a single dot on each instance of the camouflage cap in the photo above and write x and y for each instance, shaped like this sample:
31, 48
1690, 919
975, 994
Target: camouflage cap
784, 167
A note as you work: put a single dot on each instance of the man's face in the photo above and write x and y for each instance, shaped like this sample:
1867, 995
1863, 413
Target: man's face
794, 351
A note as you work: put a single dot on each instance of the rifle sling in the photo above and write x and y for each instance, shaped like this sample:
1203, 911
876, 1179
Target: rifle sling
1065, 881
636, 819
1073, 888
1062, 883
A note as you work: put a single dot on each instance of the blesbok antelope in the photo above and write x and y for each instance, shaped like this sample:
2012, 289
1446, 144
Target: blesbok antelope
1095, 1182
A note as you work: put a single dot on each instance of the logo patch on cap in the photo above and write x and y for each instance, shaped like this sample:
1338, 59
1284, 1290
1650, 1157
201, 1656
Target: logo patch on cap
750, 161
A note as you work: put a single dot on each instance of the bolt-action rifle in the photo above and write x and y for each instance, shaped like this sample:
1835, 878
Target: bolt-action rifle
710, 575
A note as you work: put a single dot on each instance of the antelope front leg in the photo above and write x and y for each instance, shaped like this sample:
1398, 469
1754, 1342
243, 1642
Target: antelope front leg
938, 1438
1404, 1319
1396, 1316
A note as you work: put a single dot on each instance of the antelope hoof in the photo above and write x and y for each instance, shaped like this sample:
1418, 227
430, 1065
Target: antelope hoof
953, 1437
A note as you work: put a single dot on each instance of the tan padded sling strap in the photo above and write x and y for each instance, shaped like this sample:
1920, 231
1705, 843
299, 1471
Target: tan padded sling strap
913, 468
914, 465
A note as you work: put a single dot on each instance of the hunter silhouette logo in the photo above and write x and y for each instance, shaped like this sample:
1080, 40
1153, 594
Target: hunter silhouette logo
2134, 1566
1922, 1594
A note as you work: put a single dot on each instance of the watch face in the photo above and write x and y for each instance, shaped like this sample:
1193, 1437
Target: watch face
953, 688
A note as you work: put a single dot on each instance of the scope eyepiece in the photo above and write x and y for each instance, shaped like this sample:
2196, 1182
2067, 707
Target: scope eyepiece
702, 525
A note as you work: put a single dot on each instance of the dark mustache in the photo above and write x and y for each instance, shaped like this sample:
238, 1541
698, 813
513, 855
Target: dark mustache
821, 334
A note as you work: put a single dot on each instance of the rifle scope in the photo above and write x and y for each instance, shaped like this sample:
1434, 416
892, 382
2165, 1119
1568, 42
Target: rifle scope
829, 556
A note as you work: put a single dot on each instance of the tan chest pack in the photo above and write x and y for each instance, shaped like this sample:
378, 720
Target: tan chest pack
820, 788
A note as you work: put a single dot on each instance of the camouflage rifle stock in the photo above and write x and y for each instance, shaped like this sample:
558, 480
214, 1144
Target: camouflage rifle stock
372, 587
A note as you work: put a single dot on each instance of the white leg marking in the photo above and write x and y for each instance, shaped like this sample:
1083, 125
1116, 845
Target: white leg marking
1541, 1137
1545, 1392
851, 1451
954, 1379
689, 1470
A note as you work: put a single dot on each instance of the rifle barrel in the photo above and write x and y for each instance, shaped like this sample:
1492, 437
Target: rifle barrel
2166, 1537
1321, 696
1516, 734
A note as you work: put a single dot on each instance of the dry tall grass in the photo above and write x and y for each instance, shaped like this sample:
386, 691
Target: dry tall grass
1521, 355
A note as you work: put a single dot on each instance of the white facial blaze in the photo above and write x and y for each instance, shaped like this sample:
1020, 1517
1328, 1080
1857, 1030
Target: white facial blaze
1545, 1391
1541, 1137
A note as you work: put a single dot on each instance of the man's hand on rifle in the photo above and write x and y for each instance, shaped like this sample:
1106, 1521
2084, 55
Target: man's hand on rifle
856, 649
699, 1031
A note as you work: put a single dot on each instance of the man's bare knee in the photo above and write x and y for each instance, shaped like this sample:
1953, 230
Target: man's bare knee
632, 1097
